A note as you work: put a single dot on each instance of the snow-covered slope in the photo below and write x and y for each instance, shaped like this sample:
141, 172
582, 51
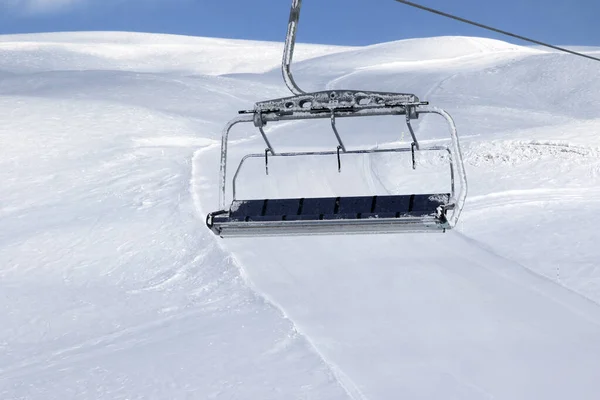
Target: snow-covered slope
112, 286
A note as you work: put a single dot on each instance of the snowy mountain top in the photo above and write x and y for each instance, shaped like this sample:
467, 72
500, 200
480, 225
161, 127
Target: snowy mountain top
144, 52
147, 52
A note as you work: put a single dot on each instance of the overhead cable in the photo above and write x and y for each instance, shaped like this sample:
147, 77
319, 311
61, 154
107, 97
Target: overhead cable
454, 17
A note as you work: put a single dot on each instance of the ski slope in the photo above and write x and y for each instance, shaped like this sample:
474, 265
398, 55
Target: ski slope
113, 287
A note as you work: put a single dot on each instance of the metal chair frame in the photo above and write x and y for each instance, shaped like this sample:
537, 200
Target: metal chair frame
333, 104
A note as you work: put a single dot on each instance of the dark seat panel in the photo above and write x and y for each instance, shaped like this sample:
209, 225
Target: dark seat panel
283, 207
427, 202
352, 205
243, 208
319, 205
331, 208
392, 204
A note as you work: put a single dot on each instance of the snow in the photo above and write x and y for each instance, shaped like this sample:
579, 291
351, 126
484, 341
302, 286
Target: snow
113, 287
143, 52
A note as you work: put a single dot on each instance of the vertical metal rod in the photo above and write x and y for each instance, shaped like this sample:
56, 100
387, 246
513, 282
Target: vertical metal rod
288, 50
223, 168
412, 132
264, 135
457, 160
339, 159
337, 134
412, 151
267, 161
452, 187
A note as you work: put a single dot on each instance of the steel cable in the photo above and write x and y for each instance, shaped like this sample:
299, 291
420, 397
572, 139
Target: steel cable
454, 17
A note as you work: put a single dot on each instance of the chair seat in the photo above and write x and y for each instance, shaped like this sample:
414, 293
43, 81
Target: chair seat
332, 214
328, 208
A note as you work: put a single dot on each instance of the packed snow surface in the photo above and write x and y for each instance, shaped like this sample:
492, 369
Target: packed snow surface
112, 287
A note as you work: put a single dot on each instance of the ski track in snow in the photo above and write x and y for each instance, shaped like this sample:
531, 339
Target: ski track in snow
345, 382
514, 198
587, 309
101, 345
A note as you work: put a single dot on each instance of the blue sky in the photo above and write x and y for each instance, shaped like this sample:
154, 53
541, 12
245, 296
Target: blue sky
344, 22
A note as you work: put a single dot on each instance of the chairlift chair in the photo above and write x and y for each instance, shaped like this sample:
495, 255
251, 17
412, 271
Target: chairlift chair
415, 212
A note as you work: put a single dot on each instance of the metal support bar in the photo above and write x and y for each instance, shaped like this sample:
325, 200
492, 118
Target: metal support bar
337, 135
288, 51
339, 159
224, 143
457, 160
264, 135
410, 129
340, 102
452, 185
267, 161
412, 150
329, 153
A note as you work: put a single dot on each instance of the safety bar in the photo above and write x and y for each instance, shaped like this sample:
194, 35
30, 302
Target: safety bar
328, 153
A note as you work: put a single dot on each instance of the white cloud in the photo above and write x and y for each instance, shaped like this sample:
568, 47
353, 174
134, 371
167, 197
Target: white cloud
40, 6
